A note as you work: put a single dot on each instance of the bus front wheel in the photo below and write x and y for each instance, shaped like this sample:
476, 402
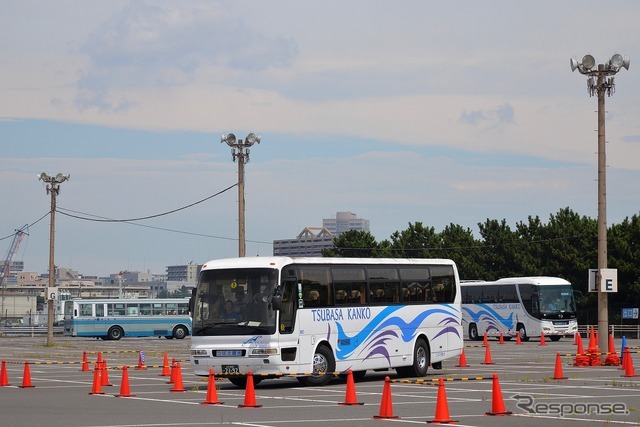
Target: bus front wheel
242, 381
473, 332
115, 333
179, 332
555, 337
323, 361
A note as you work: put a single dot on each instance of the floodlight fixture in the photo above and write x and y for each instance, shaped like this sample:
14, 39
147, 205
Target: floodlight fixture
230, 139
588, 62
251, 139
574, 64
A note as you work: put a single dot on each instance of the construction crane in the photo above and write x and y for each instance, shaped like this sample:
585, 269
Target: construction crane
17, 238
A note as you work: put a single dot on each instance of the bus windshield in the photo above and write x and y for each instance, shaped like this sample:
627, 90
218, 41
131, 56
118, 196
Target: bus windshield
235, 302
556, 299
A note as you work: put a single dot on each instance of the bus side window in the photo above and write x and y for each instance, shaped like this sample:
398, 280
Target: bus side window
99, 310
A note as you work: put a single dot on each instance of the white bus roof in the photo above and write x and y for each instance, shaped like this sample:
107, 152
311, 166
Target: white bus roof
532, 280
279, 262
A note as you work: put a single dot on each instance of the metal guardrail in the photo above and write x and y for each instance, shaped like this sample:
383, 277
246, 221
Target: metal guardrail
629, 331
26, 331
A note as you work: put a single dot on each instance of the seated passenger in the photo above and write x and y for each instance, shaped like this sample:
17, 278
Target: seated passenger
229, 311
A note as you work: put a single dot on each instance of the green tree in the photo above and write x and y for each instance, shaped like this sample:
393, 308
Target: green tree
355, 244
499, 249
416, 241
459, 244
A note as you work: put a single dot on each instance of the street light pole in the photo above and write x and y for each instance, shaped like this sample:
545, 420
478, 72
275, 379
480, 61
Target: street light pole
240, 152
53, 188
604, 83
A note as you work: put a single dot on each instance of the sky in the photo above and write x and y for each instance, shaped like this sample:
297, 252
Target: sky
400, 112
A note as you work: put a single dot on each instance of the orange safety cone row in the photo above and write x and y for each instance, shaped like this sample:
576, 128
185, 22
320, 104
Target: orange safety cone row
26, 377
350, 395
166, 370
104, 374
386, 405
85, 363
212, 394
557, 373
581, 359
442, 407
542, 340
612, 358
487, 356
462, 363
249, 394
177, 383
141, 366
97, 382
501, 340
125, 390
4, 376
629, 372
593, 351
518, 340
497, 402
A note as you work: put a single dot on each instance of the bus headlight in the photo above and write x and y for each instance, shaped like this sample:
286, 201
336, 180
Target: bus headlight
199, 353
264, 351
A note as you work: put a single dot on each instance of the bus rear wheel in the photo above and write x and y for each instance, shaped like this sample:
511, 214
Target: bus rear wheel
473, 332
323, 361
421, 360
115, 333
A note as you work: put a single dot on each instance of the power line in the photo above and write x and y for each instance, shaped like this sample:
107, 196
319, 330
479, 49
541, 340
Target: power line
28, 226
59, 209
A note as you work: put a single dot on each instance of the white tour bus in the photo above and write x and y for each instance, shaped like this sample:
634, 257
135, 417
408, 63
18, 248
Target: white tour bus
525, 305
313, 317
115, 318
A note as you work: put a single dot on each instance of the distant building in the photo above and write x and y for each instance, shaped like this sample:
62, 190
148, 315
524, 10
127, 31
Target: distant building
312, 240
345, 221
183, 273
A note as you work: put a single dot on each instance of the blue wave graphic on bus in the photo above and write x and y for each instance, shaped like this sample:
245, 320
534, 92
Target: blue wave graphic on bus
489, 315
383, 328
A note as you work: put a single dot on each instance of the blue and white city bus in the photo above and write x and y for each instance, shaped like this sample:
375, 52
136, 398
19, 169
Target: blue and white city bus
528, 306
115, 318
313, 317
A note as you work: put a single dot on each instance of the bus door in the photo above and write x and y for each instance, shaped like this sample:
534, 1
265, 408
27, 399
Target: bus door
287, 328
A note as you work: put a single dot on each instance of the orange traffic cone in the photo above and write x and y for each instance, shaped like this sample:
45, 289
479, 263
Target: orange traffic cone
501, 341
442, 407
575, 338
497, 403
97, 382
485, 339
462, 363
212, 394
386, 406
629, 371
26, 377
85, 363
518, 340
172, 375
557, 373
542, 341
487, 356
166, 370
124, 384
612, 358
249, 394
4, 377
350, 397
141, 366
104, 374
177, 384
99, 359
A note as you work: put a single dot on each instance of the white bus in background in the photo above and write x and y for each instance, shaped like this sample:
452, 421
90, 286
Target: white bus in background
525, 305
114, 318
312, 317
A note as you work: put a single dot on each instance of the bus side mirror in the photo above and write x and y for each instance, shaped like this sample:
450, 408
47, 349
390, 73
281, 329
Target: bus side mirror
192, 300
276, 299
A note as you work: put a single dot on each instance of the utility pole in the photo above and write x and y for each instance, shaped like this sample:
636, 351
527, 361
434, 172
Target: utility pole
240, 152
601, 85
53, 188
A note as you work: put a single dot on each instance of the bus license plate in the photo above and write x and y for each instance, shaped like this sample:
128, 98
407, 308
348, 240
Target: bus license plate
230, 369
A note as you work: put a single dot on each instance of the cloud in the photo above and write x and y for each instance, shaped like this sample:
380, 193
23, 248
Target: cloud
162, 44
489, 119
